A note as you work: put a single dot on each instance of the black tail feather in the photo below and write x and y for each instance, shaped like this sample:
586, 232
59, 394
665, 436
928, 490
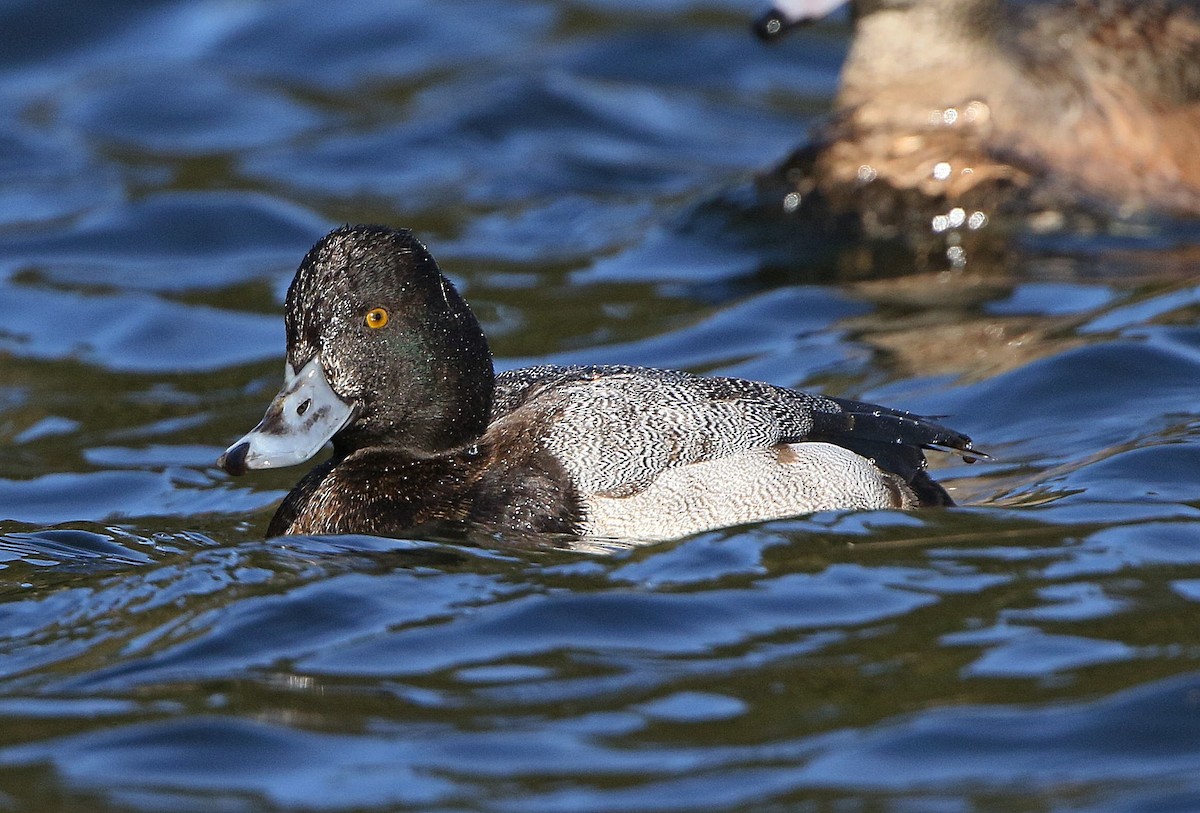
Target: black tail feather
892, 426
895, 440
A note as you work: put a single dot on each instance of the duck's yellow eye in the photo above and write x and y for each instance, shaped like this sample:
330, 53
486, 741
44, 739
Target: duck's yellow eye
377, 317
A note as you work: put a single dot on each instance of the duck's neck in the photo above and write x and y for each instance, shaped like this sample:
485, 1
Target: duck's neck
440, 419
455, 412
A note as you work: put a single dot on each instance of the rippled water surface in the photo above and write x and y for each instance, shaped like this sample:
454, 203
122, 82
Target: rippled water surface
582, 170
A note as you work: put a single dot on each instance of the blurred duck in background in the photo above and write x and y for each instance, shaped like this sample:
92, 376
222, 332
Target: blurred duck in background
953, 111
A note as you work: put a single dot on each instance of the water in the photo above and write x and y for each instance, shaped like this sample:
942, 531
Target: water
578, 169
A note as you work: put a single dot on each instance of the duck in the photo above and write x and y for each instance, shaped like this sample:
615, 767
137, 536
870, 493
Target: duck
386, 360
1006, 107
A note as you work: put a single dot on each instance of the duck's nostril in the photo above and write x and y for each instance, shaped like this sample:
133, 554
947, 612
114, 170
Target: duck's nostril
300, 410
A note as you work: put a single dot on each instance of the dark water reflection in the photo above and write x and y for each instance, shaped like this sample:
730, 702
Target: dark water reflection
582, 170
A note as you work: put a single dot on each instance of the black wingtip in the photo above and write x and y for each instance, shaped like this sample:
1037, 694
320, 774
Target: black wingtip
894, 428
944, 439
234, 460
947, 440
969, 454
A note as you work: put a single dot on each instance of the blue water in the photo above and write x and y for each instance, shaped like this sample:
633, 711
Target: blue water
581, 170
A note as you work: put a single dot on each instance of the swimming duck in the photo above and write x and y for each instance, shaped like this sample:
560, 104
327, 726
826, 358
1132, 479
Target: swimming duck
385, 359
999, 103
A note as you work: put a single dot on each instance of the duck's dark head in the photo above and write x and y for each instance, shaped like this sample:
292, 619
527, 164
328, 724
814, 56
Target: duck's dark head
382, 351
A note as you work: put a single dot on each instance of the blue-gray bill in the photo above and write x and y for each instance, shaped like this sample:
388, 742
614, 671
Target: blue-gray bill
300, 420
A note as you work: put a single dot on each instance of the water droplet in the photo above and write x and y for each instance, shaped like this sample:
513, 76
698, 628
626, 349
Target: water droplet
977, 220
940, 223
957, 255
867, 173
941, 170
956, 217
791, 202
977, 111
949, 116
